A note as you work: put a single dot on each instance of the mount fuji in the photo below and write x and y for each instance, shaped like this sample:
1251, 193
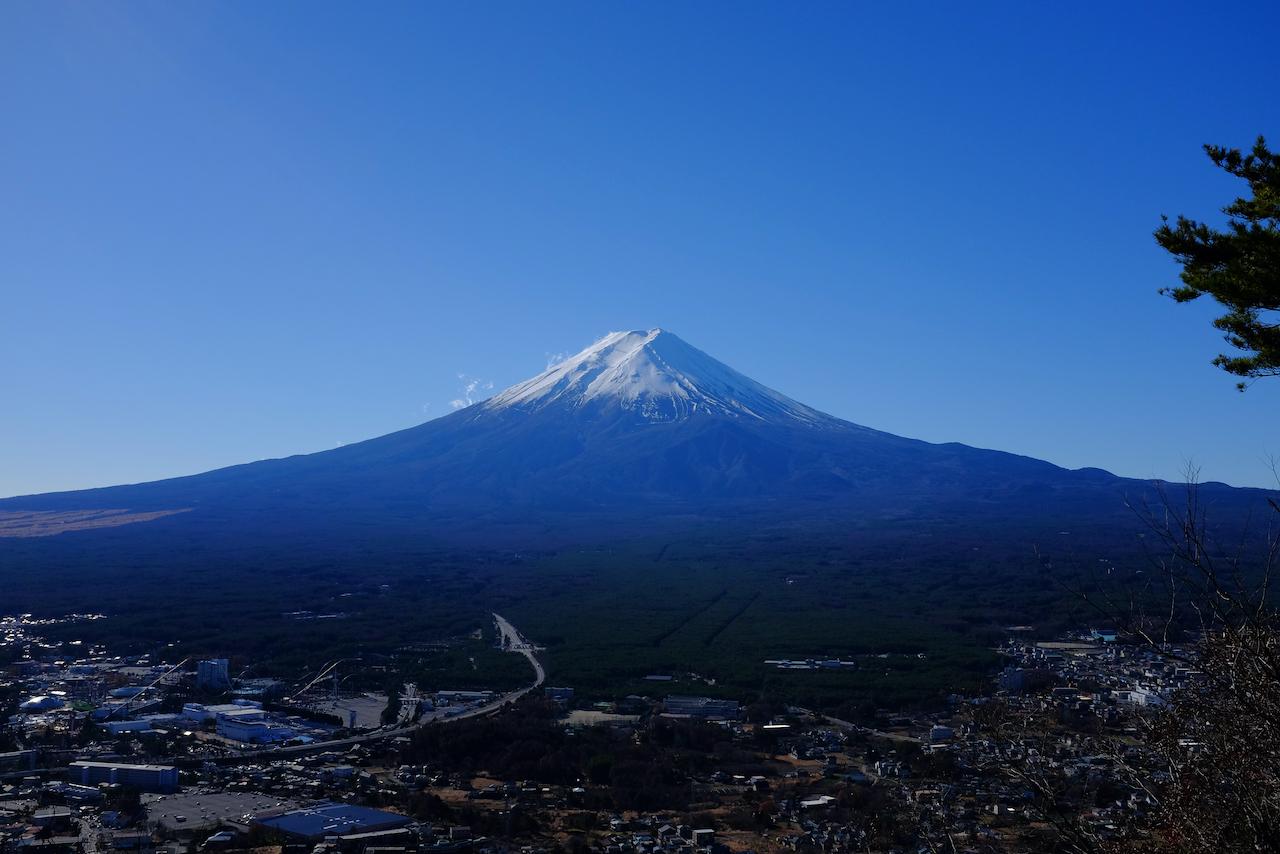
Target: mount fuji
637, 428
656, 376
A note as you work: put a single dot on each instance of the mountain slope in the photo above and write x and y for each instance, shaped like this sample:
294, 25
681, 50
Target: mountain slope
638, 425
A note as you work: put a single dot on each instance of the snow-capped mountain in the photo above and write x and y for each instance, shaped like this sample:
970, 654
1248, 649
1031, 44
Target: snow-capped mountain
658, 377
636, 428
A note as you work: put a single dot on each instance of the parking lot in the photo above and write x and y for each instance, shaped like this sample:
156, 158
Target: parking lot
201, 811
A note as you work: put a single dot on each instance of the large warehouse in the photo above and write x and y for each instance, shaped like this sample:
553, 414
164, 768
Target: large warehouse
327, 818
148, 778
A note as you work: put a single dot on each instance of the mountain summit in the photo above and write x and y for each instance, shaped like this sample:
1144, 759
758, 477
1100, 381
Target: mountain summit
656, 376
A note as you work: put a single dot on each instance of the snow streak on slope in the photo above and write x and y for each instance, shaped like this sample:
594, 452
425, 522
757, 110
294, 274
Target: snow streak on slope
657, 376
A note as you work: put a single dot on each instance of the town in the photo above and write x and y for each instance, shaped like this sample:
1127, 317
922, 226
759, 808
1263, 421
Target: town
110, 753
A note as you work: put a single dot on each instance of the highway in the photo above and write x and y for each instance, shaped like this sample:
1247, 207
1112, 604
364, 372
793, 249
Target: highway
513, 641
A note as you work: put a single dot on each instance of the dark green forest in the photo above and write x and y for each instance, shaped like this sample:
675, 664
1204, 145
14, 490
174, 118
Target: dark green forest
920, 613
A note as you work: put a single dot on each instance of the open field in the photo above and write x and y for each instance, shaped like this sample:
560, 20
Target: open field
48, 523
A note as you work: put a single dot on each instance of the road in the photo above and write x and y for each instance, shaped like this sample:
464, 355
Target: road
513, 641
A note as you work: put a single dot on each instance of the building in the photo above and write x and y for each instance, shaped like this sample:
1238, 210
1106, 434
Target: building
47, 845
702, 707
55, 816
559, 695
119, 727
259, 689
201, 713
18, 760
1140, 696
449, 697
148, 778
213, 675
41, 703
131, 840
118, 708
318, 821
817, 802
72, 793
252, 726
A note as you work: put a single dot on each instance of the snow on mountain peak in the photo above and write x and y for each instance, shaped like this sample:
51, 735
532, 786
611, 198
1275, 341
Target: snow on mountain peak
656, 375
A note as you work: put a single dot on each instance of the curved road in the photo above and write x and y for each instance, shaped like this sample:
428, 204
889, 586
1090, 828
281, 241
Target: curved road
513, 641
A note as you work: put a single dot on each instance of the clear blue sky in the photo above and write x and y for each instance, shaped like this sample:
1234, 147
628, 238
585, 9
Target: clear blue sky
231, 231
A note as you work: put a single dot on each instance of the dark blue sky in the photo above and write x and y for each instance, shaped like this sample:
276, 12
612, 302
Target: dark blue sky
241, 230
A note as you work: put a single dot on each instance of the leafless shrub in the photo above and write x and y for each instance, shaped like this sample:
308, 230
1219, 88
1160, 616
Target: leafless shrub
1206, 607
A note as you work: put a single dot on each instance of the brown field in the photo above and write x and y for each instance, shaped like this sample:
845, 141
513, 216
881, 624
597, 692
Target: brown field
47, 523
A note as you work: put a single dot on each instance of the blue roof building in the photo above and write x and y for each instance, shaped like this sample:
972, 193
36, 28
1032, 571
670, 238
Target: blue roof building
327, 818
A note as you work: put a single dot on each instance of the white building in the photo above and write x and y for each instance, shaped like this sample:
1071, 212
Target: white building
41, 703
200, 713
252, 726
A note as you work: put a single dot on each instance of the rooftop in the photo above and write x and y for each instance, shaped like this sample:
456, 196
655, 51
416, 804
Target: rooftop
333, 819
83, 763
